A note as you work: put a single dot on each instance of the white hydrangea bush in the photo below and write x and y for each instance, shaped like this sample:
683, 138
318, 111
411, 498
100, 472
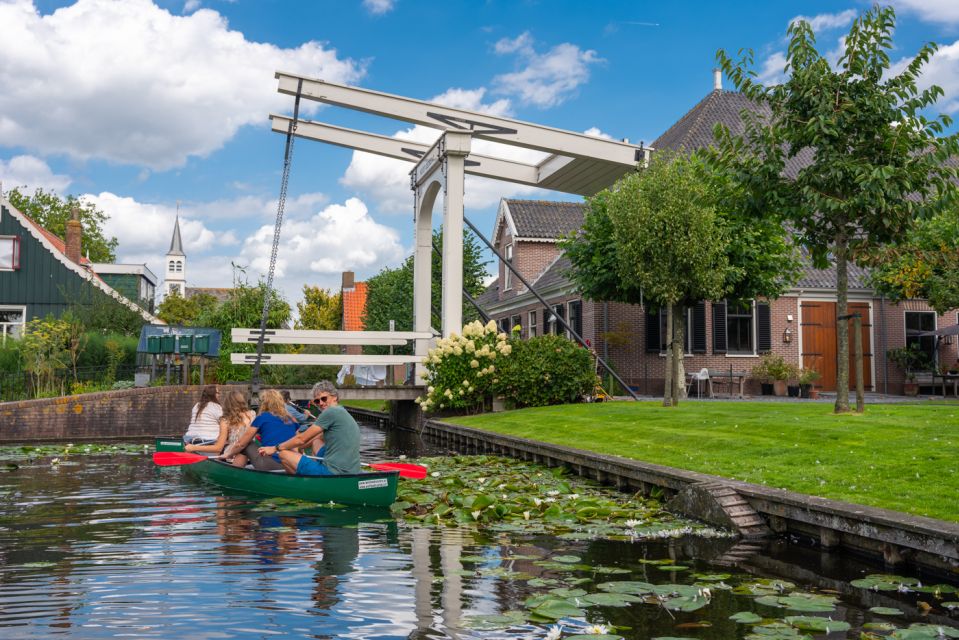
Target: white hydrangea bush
461, 370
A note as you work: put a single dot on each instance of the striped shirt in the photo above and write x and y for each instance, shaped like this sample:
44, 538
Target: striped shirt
207, 425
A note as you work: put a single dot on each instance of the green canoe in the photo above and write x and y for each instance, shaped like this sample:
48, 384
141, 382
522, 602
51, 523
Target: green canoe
374, 489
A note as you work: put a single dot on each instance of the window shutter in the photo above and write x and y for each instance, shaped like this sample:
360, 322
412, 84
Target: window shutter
719, 327
764, 338
653, 339
699, 327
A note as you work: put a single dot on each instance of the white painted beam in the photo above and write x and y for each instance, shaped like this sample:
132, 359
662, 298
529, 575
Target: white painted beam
338, 359
481, 125
476, 164
295, 336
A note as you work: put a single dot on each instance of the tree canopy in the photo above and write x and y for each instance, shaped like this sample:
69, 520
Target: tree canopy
844, 154
320, 309
177, 310
51, 212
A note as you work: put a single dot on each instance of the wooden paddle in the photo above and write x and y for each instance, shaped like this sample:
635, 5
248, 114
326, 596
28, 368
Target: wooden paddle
179, 458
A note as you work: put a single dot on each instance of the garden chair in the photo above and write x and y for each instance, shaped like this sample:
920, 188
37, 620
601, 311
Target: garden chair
699, 378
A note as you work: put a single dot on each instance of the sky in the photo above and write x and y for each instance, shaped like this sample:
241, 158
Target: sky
141, 107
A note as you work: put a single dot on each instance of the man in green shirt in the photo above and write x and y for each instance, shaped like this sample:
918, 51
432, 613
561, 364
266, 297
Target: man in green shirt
335, 431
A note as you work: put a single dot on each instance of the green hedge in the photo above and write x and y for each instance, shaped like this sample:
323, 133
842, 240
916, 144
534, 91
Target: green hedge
546, 370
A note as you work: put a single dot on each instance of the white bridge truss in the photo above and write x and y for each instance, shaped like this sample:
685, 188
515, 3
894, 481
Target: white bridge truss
574, 163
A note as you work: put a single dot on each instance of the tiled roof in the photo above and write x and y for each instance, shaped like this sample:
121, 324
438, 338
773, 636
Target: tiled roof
490, 296
544, 219
695, 129
354, 307
826, 278
555, 274
53, 239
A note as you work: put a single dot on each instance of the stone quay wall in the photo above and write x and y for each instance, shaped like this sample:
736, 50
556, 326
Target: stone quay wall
108, 415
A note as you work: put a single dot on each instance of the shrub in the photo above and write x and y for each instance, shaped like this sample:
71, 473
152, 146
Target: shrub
462, 370
546, 370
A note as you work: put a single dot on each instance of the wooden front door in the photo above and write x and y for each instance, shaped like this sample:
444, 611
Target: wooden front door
819, 343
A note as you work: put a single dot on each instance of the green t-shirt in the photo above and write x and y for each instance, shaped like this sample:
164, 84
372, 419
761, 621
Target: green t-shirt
341, 440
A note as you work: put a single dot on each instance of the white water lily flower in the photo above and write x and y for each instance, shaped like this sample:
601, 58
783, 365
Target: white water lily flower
526, 515
504, 497
573, 496
551, 499
403, 457
481, 480
476, 514
596, 629
435, 474
502, 486
633, 523
55, 461
537, 501
555, 632
552, 493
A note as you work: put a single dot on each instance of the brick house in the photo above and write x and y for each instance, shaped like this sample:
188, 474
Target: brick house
800, 325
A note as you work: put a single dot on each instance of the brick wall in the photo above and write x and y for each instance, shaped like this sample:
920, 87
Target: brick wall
529, 258
128, 413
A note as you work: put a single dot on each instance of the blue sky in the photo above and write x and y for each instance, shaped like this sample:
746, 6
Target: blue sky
137, 105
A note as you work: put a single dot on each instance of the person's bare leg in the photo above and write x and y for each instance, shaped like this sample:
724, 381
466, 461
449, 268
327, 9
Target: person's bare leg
290, 460
239, 460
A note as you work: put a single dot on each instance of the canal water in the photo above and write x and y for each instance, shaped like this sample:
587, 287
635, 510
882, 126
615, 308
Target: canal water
111, 547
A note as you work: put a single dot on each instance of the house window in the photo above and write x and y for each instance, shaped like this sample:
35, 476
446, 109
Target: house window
917, 323
12, 321
739, 327
556, 327
663, 329
515, 322
532, 324
9, 253
504, 325
508, 274
576, 316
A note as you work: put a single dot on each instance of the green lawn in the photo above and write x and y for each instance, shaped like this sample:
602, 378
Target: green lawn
371, 405
897, 456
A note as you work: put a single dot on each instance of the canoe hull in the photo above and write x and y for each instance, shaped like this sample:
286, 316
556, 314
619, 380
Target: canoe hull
376, 489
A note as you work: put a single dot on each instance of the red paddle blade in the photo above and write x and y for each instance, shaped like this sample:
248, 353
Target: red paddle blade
407, 470
176, 458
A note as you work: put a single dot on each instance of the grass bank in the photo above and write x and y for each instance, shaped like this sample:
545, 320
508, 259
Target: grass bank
901, 457
369, 405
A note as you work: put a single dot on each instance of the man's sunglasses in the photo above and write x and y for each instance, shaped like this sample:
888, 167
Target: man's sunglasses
321, 399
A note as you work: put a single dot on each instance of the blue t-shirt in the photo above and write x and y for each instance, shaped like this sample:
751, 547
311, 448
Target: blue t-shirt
273, 430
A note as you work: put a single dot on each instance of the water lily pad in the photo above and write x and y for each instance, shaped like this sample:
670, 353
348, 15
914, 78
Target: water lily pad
8, 466
765, 586
554, 609
566, 559
564, 592
673, 567
685, 603
886, 611
808, 602
712, 577
817, 624
627, 586
610, 570
776, 631
38, 565
935, 588
543, 582
922, 631
610, 599
745, 617
594, 636
494, 622
879, 626
950, 605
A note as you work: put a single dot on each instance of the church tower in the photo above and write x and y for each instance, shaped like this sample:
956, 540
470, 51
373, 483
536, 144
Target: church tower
175, 280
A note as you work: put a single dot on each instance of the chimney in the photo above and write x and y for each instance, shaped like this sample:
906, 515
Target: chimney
73, 235
348, 281
717, 80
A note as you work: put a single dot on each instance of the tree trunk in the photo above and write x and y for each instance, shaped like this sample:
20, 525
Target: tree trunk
842, 326
668, 375
677, 350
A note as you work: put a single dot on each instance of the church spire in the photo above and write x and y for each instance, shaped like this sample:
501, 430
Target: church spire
176, 245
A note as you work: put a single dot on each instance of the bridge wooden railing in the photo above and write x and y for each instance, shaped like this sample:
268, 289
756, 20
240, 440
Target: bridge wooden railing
341, 338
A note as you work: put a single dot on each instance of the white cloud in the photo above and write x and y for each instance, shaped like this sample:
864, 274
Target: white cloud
547, 79
318, 248
773, 69
944, 11
131, 83
378, 7
942, 70
191, 5
31, 173
827, 21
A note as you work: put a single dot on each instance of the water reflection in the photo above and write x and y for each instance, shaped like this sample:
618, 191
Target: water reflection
116, 547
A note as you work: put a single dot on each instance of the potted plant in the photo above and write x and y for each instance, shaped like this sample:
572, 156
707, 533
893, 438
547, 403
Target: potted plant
779, 372
807, 379
909, 359
792, 380
761, 373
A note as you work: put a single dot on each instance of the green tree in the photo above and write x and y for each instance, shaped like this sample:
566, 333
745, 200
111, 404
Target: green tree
923, 265
671, 244
100, 313
51, 212
177, 310
872, 162
320, 309
390, 292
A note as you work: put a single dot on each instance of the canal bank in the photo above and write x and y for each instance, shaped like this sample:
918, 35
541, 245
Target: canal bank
753, 510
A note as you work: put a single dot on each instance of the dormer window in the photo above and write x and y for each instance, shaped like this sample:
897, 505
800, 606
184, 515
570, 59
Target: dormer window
508, 275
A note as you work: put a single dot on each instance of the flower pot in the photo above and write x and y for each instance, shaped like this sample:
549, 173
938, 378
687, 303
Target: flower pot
766, 388
910, 388
779, 388
805, 390
793, 391
813, 393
